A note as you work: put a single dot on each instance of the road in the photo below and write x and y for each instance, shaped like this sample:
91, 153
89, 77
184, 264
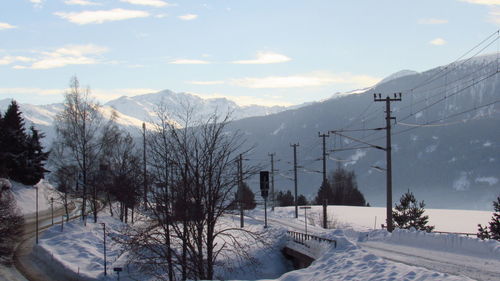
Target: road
27, 265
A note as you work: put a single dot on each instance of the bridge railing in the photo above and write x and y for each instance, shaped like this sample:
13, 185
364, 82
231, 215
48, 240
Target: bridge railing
301, 238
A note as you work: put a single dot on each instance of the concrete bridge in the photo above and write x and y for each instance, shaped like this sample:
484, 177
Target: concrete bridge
304, 248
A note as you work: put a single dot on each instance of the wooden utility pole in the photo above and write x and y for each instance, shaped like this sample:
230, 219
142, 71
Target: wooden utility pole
295, 176
272, 181
388, 118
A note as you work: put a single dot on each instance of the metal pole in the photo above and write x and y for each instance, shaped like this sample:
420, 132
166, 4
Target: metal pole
36, 187
265, 212
105, 266
295, 177
272, 183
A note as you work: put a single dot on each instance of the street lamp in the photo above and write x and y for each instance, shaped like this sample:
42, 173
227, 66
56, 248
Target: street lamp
104, 231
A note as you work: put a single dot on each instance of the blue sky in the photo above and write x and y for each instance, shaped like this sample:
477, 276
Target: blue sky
272, 52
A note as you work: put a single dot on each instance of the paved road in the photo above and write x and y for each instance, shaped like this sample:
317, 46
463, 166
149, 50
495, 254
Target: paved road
26, 263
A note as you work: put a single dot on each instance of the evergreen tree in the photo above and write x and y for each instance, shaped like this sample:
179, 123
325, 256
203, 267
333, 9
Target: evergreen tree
3, 152
409, 213
325, 192
493, 230
302, 200
344, 189
33, 169
14, 142
247, 197
285, 199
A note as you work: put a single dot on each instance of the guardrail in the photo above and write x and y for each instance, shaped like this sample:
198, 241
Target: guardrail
301, 238
458, 233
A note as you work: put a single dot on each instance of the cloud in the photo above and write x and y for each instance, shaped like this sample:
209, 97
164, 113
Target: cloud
438, 42
265, 58
153, 3
81, 3
100, 94
494, 16
483, 2
97, 17
12, 59
217, 82
188, 17
310, 80
432, 21
4, 25
189, 61
31, 91
68, 55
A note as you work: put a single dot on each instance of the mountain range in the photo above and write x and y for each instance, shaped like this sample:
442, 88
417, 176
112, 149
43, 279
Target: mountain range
444, 140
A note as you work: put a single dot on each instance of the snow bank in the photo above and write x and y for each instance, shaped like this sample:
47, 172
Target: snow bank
78, 250
452, 243
350, 262
25, 196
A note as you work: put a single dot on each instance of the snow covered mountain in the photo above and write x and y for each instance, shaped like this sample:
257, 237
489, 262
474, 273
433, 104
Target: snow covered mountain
133, 111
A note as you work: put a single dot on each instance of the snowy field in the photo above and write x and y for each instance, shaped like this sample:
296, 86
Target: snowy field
368, 218
79, 249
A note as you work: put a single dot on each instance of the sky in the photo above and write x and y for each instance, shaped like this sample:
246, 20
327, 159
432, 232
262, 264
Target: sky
266, 52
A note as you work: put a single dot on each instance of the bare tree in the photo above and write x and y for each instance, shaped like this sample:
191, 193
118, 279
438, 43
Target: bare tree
194, 168
82, 133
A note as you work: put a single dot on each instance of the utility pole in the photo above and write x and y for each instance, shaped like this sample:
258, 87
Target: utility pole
324, 136
295, 176
144, 166
36, 187
272, 181
240, 187
388, 149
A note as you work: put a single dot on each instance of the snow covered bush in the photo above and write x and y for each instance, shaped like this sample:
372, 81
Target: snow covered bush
11, 226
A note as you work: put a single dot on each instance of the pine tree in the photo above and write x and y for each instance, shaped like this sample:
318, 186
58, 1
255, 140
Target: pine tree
247, 197
14, 142
285, 199
325, 192
493, 230
33, 169
302, 200
3, 152
344, 189
409, 213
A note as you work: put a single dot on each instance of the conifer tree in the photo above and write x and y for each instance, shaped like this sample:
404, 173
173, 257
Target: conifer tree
325, 192
3, 156
302, 200
14, 142
247, 197
493, 230
410, 213
33, 169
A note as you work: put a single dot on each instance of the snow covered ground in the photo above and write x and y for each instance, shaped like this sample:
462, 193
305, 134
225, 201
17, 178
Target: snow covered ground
362, 252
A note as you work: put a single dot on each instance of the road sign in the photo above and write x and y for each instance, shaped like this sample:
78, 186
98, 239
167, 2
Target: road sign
305, 207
